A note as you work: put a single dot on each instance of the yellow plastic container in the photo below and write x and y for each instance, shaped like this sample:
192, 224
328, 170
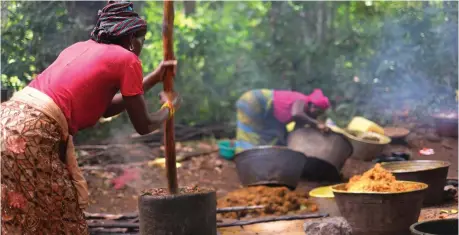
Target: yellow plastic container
364, 125
290, 126
324, 198
322, 192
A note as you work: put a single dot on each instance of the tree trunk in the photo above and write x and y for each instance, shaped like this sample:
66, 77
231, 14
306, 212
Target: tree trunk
320, 21
330, 21
86, 11
190, 7
4, 12
348, 16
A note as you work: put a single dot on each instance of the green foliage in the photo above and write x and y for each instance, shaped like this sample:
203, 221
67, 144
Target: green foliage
213, 51
372, 58
25, 50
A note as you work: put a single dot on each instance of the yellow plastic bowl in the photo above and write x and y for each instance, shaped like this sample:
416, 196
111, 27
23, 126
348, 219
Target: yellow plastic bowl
324, 198
362, 124
290, 126
322, 192
365, 150
383, 140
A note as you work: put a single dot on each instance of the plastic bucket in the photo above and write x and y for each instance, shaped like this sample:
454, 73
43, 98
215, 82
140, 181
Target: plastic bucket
226, 149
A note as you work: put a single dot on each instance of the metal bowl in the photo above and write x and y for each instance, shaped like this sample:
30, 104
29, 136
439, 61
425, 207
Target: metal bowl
435, 227
396, 132
268, 165
367, 150
447, 125
326, 153
380, 213
433, 173
382, 159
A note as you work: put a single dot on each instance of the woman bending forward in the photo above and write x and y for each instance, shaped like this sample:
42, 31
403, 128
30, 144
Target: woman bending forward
43, 191
262, 115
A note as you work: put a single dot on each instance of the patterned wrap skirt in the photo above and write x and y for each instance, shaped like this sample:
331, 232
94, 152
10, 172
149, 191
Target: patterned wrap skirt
37, 193
256, 124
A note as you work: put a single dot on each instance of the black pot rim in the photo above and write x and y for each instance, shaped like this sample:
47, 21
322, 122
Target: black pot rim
258, 148
338, 191
412, 227
387, 159
272, 183
179, 195
444, 164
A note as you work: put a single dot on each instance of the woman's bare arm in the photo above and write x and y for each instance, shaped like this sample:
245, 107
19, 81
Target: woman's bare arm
117, 106
143, 122
300, 116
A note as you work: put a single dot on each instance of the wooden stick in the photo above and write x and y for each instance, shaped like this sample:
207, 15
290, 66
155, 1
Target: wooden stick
104, 147
169, 137
238, 208
112, 224
116, 166
133, 215
95, 216
110, 231
92, 147
270, 219
134, 164
187, 156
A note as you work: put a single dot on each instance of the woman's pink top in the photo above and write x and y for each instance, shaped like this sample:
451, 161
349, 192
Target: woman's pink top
85, 77
283, 102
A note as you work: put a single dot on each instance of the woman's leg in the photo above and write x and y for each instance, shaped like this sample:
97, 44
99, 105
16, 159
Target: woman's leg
37, 194
252, 112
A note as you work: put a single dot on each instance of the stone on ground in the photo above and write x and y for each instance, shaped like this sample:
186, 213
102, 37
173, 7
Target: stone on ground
327, 226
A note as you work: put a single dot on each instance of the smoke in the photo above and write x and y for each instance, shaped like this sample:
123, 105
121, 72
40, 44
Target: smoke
414, 65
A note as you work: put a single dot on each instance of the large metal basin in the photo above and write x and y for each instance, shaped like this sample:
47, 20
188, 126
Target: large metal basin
268, 165
380, 213
327, 152
367, 150
432, 173
435, 227
446, 124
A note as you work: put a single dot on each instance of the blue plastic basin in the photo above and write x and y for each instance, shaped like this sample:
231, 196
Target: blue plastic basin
226, 149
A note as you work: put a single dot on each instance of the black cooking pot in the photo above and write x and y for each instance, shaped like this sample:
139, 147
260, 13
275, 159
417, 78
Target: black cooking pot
435, 227
6, 94
270, 165
326, 153
446, 124
381, 159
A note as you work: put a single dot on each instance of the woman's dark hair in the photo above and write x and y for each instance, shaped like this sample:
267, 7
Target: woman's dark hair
117, 20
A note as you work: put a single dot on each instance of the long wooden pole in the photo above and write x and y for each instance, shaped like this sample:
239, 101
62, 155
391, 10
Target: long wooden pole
169, 136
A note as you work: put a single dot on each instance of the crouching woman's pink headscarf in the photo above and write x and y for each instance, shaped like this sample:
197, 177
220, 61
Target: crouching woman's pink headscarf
318, 99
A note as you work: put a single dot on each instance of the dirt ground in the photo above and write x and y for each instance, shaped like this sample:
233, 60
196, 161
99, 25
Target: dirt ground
210, 170
205, 171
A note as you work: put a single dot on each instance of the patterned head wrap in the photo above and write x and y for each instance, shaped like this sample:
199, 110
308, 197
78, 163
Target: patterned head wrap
318, 99
116, 20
